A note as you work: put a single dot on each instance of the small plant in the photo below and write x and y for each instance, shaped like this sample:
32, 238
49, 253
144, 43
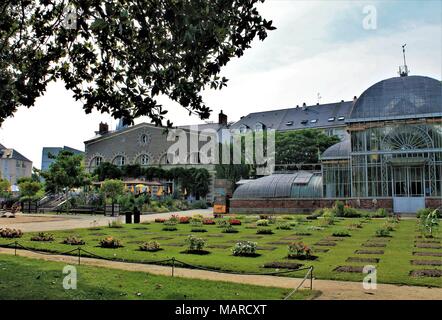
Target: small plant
264, 231
380, 213
209, 221
288, 217
429, 223
299, 250
382, 232
42, 236
184, 220
230, 229
11, 233
328, 218
284, 226
195, 244
388, 225
160, 220
351, 213
356, 225
74, 241
174, 218
245, 249
198, 230
341, 233
169, 228
423, 212
110, 242
262, 222
150, 246
115, 224
339, 208
264, 216
196, 223
234, 222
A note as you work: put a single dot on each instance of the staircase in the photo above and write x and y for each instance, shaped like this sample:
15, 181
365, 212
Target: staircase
50, 202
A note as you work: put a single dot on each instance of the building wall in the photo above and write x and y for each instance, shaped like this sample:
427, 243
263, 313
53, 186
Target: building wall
46, 161
12, 169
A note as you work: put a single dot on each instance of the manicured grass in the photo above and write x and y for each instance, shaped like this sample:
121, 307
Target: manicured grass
24, 278
394, 265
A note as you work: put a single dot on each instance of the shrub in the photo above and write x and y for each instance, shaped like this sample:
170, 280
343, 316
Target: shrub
382, 232
42, 236
328, 218
341, 233
264, 216
429, 223
339, 208
74, 241
245, 249
264, 231
351, 212
150, 246
198, 230
230, 229
11, 233
380, 213
115, 224
234, 222
195, 244
110, 242
200, 204
174, 218
170, 228
208, 221
299, 250
389, 226
160, 220
222, 223
288, 217
423, 212
196, 222
284, 226
262, 222
184, 220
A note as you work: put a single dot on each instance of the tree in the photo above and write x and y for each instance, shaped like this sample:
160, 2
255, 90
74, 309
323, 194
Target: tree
107, 170
112, 189
65, 173
132, 171
5, 188
301, 146
30, 190
118, 56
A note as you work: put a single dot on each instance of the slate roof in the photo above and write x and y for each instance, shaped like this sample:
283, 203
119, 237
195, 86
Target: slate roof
12, 154
399, 98
315, 116
340, 150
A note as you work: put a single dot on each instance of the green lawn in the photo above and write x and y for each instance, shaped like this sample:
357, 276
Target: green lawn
24, 278
394, 265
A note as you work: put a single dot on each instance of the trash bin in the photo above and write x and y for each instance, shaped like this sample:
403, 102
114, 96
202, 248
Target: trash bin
137, 214
128, 216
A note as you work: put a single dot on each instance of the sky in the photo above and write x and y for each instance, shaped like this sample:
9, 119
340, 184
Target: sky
336, 49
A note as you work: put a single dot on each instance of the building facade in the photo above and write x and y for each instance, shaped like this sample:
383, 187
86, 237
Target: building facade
48, 152
13, 165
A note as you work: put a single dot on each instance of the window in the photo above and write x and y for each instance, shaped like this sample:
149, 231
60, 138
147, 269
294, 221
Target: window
331, 119
314, 120
341, 118
259, 126
144, 138
96, 161
143, 160
243, 128
119, 161
304, 121
289, 123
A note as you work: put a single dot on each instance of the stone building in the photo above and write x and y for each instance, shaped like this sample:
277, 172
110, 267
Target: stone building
13, 165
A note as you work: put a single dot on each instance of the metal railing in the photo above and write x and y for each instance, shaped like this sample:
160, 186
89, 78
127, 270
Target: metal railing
309, 272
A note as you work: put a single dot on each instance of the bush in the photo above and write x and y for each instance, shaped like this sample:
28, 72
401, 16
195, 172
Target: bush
174, 218
288, 217
170, 228
382, 232
222, 223
234, 222
299, 250
351, 213
150, 246
380, 213
423, 212
11, 233
284, 226
74, 241
389, 226
230, 229
245, 249
184, 220
209, 221
264, 231
160, 220
115, 224
339, 208
195, 244
200, 204
110, 242
264, 216
262, 222
341, 233
196, 222
42, 236
328, 218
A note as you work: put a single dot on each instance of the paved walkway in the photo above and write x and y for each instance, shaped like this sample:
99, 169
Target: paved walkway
331, 290
50, 222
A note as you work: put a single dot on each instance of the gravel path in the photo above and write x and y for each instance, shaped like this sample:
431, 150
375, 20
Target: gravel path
49, 222
331, 290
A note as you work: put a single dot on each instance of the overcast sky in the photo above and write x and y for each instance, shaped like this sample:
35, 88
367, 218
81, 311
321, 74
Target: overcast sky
319, 47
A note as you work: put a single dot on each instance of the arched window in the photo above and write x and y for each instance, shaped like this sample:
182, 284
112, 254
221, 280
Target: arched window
242, 128
119, 161
143, 159
96, 161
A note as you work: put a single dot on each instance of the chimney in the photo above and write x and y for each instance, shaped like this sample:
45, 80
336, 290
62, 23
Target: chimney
103, 128
355, 98
222, 118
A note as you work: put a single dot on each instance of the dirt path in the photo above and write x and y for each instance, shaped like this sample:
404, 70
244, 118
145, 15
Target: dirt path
331, 290
47, 222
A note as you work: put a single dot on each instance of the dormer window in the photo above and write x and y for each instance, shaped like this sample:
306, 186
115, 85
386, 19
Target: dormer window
289, 123
259, 127
304, 121
341, 118
313, 120
331, 119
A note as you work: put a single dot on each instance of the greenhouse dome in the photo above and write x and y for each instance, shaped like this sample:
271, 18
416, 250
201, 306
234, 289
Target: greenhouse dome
301, 184
399, 98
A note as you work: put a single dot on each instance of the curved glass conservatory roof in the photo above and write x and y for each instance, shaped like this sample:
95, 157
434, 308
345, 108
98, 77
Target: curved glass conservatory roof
295, 185
399, 98
340, 150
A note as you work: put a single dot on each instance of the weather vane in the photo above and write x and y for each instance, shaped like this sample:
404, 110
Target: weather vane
403, 70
